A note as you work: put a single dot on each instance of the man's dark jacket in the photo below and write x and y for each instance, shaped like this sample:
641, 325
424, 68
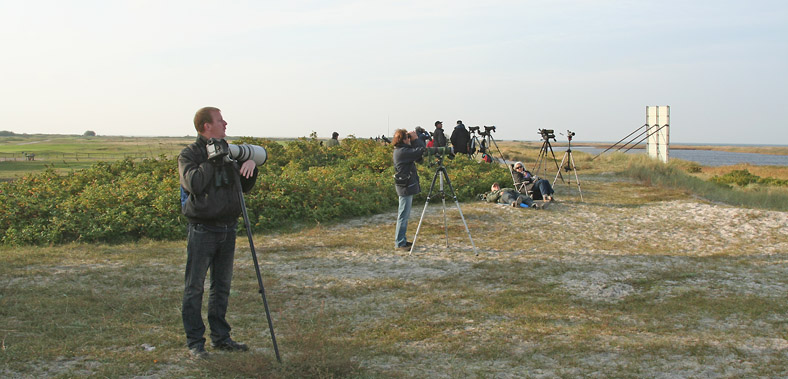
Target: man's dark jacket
460, 138
405, 158
438, 138
213, 194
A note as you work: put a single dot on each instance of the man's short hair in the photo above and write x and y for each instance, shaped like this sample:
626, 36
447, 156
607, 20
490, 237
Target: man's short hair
203, 116
459, 121
494, 185
438, 122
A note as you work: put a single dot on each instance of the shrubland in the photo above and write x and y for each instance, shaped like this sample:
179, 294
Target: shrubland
303, 181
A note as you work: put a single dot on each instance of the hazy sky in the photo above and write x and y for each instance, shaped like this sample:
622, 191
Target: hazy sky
287, 68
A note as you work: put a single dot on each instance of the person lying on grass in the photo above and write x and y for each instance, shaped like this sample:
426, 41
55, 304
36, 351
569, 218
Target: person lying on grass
508, 196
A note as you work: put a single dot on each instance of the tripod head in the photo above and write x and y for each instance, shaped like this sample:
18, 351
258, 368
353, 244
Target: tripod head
547, 134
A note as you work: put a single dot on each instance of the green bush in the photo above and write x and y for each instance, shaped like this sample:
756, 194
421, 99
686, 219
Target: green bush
302, 181
743, 178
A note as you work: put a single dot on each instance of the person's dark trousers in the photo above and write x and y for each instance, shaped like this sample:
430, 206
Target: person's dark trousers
208, 247
509, 197
541, 189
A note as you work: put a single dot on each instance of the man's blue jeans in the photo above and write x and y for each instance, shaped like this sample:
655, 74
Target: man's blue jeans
208, 247
403, 213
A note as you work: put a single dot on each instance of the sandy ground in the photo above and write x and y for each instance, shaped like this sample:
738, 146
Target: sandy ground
591, 252
602, 249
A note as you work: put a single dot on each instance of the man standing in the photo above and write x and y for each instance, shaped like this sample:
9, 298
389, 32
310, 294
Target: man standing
460, 138
212, 209
438, 138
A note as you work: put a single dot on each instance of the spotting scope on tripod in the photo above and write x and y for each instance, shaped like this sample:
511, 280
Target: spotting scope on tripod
541, 160
568, 163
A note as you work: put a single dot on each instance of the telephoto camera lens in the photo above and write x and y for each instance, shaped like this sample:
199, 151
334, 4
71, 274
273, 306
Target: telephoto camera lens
246, 152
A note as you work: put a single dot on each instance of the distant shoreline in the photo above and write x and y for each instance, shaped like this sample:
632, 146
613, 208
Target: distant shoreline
755, 149
735, 148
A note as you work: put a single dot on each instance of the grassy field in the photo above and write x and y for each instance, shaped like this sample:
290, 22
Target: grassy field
634, 281
66, 153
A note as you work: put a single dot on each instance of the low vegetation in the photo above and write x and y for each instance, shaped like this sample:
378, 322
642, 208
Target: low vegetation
303, 181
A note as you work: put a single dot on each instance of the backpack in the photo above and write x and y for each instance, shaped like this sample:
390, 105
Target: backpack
184, 197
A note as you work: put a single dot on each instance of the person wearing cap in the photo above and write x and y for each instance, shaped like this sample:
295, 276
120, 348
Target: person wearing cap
460, 138
438, 138
525, 182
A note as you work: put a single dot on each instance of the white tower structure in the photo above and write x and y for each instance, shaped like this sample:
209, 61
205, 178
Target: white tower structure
658, 131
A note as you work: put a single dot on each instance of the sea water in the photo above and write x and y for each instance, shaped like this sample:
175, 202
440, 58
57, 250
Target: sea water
703, 157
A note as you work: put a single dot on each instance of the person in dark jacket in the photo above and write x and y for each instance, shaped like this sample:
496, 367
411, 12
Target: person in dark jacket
438, 138
525, 182
508, 196
212, 209
408, 150
460, 138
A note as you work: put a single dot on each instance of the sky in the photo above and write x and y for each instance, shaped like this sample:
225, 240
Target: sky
367, 67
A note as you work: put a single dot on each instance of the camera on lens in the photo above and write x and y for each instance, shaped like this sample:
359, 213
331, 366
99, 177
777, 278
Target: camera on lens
217, 149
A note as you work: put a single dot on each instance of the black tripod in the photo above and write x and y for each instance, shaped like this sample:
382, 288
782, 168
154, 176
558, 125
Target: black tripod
570, 163
487, 141
547, 134
254, 259
441, 170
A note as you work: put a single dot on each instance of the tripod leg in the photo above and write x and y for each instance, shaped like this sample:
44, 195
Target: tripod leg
574, 168
257, 268
415, 237
555, 160
503, 161
538, 164
443, 199
559, 171
454, 196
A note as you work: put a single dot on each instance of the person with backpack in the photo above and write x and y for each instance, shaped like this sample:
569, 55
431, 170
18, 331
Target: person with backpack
212, 205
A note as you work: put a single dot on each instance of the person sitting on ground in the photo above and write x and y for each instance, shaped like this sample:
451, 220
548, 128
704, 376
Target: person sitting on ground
508, 196
539, 189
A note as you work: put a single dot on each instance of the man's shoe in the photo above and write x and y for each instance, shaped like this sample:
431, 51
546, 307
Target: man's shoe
406, 246
230, 345
198, 352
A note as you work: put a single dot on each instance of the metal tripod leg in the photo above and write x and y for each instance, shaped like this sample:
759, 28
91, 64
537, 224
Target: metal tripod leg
569, 159
261, 289
442, 171
429, 194
574, 168
563, 159
443, 199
